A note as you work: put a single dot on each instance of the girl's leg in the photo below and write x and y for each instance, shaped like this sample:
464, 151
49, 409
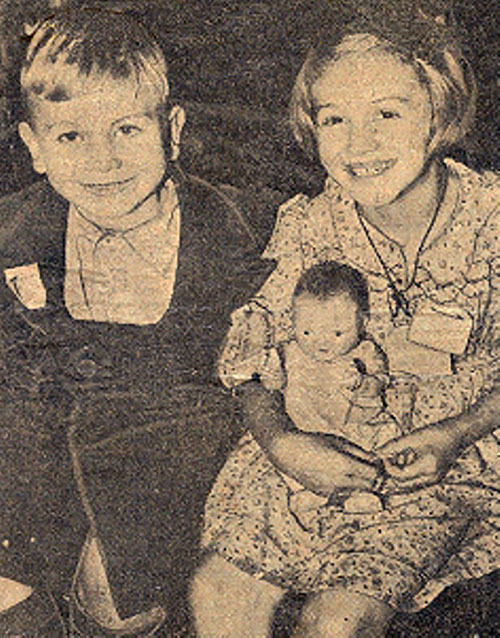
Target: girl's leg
337, 613
228, 603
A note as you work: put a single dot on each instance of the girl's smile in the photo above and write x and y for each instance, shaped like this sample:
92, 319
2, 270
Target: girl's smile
373, 125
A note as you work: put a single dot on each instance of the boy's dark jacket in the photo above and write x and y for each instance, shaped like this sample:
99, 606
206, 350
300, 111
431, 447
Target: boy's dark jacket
133, 416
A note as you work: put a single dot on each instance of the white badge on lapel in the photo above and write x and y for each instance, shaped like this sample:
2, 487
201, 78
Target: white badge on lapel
26, 283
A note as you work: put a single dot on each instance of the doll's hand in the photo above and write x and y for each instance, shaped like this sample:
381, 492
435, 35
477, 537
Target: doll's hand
371, 387
420, 458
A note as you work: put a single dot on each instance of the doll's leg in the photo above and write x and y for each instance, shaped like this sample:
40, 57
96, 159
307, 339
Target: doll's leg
341, 614
228, 603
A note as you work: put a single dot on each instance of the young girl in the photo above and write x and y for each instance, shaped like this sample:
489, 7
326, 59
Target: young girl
379, 104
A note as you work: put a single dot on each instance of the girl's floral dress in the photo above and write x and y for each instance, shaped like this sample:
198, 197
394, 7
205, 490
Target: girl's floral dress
422, 541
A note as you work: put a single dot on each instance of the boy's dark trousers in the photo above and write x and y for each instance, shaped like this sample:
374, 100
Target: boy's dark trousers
137, 407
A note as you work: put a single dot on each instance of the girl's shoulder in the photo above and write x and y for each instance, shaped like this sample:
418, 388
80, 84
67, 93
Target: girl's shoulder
294, 217
477, 188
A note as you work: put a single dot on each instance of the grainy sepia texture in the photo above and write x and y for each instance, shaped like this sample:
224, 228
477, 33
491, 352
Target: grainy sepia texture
302, 444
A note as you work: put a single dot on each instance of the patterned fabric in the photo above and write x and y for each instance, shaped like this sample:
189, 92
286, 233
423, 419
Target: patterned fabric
421, 542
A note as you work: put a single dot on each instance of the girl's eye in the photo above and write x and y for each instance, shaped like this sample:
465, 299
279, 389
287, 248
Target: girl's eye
69, 136
385, 114
306, 333
338, 333
129, 129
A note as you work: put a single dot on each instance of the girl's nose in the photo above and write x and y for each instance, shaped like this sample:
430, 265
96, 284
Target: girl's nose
102, 156
362, 137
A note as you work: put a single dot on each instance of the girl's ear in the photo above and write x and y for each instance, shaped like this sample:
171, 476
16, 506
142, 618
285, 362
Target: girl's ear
29, 137
177, 119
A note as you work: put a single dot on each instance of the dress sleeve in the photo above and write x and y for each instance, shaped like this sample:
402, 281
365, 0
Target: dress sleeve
249, 348
477, 371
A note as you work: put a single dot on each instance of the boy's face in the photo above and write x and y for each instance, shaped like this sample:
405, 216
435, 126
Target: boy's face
326, 328
102, 149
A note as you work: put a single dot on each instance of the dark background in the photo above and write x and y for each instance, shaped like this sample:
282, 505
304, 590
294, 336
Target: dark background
232, 65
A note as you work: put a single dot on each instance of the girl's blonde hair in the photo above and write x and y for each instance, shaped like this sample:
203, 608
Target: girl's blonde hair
426, 43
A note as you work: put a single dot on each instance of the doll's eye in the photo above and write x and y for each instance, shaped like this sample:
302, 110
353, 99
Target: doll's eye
330, 120
387, 114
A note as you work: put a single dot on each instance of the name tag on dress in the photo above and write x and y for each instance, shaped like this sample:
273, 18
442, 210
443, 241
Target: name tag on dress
413, 358
26, 283
443, 327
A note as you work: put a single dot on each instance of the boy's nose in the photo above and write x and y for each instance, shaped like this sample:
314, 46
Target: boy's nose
102, 156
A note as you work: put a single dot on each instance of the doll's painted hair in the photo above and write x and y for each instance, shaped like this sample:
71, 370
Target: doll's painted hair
72, 47
423, 38
329, 278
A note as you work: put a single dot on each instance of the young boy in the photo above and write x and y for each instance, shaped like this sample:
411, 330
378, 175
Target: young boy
120, 273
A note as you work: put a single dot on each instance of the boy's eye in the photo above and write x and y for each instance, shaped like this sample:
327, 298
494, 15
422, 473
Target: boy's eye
129, 129
69, 136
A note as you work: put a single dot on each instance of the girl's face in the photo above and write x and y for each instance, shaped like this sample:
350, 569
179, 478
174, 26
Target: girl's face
373, 125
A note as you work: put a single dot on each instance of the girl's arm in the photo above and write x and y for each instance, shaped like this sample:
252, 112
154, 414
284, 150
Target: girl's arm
437, 446
312, 459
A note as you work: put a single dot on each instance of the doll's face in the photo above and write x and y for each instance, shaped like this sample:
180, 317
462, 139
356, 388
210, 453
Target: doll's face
373, 125
326, 329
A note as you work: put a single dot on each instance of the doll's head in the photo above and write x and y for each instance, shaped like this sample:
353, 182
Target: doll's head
377, 99
330, 306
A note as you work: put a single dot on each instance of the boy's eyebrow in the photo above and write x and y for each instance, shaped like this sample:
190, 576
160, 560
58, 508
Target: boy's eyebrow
147, 114
398, 98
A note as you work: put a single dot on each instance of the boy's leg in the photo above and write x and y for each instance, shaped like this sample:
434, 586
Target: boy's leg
337, 613
228, 603
92, 610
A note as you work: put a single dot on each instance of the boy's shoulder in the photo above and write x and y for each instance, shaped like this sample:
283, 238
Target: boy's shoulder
30, 217
245, 213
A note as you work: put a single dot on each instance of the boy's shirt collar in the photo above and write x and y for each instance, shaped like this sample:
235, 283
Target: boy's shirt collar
127, 276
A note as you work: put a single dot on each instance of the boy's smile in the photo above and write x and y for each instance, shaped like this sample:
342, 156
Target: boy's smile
101, 149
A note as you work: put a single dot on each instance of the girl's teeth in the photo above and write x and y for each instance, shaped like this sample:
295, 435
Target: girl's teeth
367, 170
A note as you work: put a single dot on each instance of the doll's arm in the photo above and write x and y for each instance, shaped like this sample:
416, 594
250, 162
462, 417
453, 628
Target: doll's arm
372, 363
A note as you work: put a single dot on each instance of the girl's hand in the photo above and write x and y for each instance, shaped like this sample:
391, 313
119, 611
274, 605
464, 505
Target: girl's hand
420, 458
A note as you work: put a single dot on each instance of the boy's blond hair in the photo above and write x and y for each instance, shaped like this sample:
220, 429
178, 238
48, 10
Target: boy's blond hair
73, 47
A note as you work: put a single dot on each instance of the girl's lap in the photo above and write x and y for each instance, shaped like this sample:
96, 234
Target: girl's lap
403, 555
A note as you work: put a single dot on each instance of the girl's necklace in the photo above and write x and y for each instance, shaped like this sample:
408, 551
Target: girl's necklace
400, 300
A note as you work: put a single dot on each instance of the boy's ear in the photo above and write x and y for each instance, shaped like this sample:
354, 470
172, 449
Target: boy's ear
29, 137
177, 119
